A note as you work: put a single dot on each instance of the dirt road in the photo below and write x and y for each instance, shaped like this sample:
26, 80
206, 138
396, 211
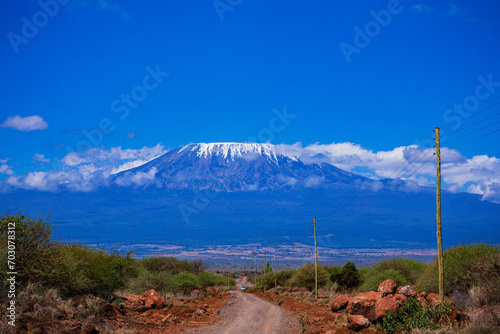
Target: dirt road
247, 313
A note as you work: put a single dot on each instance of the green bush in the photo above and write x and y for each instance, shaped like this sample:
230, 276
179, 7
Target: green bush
208, 279
185, 282
457, 264
82, 270
304, 277
348, 277
172, 265
408, 268
484, 278
414, 315
33, 247
147, 280
373, 279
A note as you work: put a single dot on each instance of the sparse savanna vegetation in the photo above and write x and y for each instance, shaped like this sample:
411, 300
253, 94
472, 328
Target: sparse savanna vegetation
54, 272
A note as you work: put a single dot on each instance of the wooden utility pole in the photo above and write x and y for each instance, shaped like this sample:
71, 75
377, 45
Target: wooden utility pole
275, 269
228, 285
255, 260
438, 218
315, 262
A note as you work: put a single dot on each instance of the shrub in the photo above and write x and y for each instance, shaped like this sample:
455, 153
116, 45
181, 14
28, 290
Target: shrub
185, 282
457, 264
304, 277
408, 268
33, 247
484, 278
208, 279
374, 278
414, 315
172, 265
146, 280
81, 270
348, 277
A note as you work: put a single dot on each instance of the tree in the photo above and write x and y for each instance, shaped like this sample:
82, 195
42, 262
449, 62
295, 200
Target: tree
348, 277
268, 268
304, 277
33, 246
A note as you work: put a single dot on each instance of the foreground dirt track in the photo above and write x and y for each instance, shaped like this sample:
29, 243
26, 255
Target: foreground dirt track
247, 313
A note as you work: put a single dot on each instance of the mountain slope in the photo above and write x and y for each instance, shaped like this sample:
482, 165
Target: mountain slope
236, 167
230, 193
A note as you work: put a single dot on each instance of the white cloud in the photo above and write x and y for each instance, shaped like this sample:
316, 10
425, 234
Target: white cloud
28, 123
479, 174
40, 158
137, 179
421, 8
85, 171
6, 169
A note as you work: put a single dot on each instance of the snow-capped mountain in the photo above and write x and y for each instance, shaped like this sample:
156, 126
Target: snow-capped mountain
241, 193
235, 167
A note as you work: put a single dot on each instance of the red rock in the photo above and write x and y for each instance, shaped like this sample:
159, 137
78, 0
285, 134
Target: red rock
423, 294
433, 298
212, 289
340, 303
364, 304
349, 305
422, 300
405, 290
152, 299
387, 286
400, 298
386, 303
134, 299
357, 322
414, 293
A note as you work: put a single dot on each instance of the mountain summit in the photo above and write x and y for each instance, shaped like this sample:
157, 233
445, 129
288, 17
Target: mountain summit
235, 167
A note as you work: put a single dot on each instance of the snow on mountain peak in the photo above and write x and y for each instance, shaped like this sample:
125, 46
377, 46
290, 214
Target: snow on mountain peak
234, 150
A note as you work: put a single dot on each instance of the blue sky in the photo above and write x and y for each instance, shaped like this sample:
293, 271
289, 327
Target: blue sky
204, 71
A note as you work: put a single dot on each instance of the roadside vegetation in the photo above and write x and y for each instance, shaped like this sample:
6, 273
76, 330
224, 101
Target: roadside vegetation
54, 272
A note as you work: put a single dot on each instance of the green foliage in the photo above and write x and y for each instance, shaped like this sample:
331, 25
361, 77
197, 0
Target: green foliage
373, 280
208, 279
484, 277
33, 247
458, 262
147, 280
172, 265
304, 277
348, 277
280, 301
268, 268
335, 269
82, 270
414, 315
185, 282
283, 277
408, 268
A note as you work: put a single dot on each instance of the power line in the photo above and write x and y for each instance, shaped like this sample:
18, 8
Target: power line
419, 149
381, 196
470, 141
449, 141
481, 111
355, 214
344, 213
468, 126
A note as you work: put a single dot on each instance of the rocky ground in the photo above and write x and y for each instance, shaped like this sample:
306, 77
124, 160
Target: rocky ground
288, 310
